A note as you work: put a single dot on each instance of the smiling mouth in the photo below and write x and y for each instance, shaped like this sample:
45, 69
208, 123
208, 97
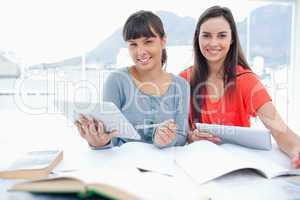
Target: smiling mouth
213, 51
144, 61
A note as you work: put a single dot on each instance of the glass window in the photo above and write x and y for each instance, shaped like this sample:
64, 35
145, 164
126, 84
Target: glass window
48, 47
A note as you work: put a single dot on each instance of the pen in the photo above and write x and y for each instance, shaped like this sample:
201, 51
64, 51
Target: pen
146, 126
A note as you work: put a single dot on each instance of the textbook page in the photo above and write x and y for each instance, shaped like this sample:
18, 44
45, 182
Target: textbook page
146, 156
271, 163
204, 161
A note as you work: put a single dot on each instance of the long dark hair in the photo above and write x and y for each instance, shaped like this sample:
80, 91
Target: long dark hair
200, 71
142, 24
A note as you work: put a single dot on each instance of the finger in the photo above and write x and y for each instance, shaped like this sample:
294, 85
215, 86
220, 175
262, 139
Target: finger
296, 162
82, 118
92, 128
84, 126
163, 130
168, 122
101, 127
159, 137
171, 126
114, 133
203, 134
167, 135
212, 138
96, 124
170, 132
80, 130
215, 140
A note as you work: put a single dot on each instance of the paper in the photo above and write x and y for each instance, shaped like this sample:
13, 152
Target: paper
107, 112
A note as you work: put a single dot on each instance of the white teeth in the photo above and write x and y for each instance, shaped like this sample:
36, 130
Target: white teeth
143, 60
215, 51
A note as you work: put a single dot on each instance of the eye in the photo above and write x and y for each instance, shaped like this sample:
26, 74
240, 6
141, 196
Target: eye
222, 35
148, 41
205, 35
131, 44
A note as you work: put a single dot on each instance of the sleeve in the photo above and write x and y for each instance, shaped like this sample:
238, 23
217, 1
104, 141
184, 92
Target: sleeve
253, 92
113, 142
112, 91
181, 116
186, 74
182, 112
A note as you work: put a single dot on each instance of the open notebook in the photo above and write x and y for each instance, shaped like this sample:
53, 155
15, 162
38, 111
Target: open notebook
202, 160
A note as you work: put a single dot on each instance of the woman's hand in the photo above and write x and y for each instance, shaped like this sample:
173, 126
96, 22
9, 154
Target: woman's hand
196, 135
93, 131
296, 158
165, 133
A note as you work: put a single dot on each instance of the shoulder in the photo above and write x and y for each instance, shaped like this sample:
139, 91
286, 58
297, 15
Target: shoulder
186, 74
182, 87
245, 76
117, 76
243, 72
180, 80
247, 81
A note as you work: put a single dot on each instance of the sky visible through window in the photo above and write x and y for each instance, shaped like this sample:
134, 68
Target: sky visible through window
39, 31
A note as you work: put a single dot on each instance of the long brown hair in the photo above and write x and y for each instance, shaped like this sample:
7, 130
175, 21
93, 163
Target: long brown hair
200, 68
142, 24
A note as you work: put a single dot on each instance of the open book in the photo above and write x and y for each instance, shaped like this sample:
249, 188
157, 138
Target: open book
33, 165
103, 182
113, 183
107, 112
203, 161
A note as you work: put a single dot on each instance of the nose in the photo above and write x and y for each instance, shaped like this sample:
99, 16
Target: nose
141, 50
213, 42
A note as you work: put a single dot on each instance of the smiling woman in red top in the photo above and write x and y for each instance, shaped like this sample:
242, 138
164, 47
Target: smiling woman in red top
224, 90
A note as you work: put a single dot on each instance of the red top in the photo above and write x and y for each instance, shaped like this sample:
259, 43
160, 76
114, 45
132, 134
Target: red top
237, 108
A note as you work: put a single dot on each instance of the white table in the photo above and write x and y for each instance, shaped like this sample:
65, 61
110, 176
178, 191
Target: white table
23, 132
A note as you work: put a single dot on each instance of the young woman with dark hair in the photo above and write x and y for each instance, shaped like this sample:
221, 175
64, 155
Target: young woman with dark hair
224, 90
145, 93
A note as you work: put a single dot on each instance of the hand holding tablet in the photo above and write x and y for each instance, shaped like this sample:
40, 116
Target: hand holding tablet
106, 112
244, 136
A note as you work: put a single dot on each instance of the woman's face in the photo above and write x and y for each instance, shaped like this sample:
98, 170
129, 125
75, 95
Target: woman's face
146, 53
215, 40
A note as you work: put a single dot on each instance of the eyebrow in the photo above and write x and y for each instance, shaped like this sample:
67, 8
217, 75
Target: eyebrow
144, 38
214, 33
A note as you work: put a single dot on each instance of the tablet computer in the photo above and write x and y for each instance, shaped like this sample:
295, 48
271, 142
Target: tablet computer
249, 137
107, 112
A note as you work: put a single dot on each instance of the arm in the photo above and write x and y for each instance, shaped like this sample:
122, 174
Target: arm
94, 132
113, 92
258, 102
287, 140
182, 112
174, 131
